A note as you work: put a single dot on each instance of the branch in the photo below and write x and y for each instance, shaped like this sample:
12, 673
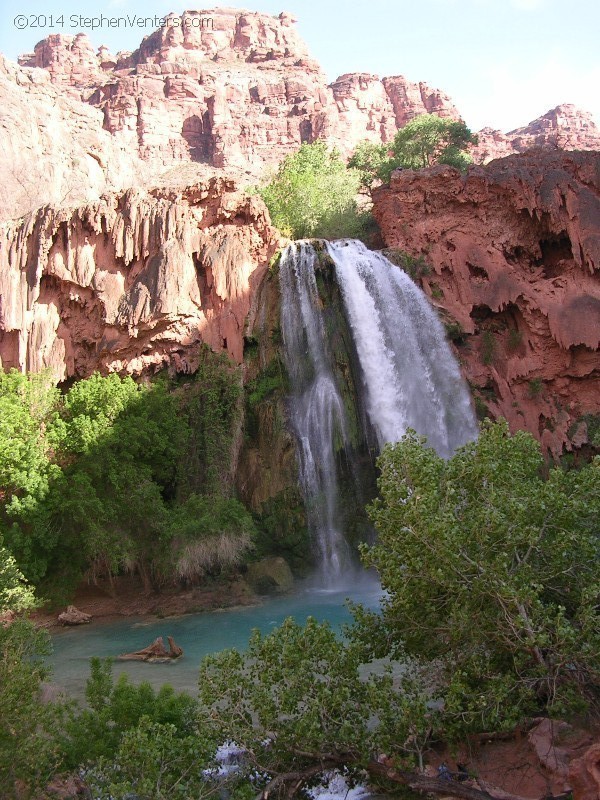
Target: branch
424, 783
298, 778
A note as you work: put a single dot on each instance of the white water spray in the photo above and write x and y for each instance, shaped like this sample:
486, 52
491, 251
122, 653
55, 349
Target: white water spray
409, 376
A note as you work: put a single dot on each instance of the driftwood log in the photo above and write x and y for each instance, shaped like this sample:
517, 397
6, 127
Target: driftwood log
156, 652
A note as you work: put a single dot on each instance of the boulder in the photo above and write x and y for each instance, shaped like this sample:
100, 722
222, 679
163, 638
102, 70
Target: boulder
155, 652
270, 576
73, 616
584, 774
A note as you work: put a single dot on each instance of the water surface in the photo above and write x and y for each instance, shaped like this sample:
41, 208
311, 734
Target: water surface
198, 635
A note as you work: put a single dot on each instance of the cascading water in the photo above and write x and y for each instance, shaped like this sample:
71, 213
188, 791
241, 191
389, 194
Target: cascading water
409, 377
316, 408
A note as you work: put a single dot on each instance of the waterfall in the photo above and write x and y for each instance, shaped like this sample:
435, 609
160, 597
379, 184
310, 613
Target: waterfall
317, 411
409, 377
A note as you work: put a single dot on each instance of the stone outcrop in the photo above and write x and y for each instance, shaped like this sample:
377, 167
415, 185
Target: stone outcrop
73, 616
510, 253
237, 94
54, 148
155, 652
584, 774
565, 127
270, 576
221, 89
136, 280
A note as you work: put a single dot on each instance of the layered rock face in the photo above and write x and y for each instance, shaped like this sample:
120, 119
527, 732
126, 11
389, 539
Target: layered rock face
54, 148
230, 88
514, 255
134, 281
221, 88
565, 127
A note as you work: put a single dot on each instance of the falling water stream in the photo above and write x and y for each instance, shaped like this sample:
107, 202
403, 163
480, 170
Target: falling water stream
408, 378
408, 374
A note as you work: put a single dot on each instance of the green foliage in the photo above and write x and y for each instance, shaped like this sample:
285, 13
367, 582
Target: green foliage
416, 267
154, 763
491, 571
427, 140
27, 408
515, 337
296, 701
15, 594
212, 409
488, 348
455, 332
535, 387
118, 708
30, 730
424, 141
369, 159
210, 534
281, 530
313, 194
89, 479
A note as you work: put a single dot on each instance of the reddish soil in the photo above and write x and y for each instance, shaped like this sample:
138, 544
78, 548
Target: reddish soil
128, 598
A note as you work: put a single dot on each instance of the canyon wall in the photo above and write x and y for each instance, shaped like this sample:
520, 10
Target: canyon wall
134, 281
236, 94
510, 255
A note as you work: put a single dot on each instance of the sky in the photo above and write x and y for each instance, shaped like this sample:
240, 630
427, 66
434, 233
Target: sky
503, 62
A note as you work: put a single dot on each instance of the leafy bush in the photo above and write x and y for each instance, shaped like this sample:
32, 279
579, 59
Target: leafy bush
488, 348
424, 141
30, 730
210, 534
313, 194
491, 571
116, 708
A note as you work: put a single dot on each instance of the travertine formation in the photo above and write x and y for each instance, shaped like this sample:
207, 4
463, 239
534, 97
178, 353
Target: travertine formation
136, 280
514, 249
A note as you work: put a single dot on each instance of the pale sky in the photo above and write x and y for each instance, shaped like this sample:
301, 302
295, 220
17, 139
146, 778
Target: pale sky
503, 62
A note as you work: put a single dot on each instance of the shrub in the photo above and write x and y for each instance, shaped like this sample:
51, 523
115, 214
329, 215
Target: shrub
313, 194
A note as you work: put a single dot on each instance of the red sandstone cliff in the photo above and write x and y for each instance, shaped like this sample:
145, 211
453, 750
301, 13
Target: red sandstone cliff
133, 281
514, 249
236, 94
564, 127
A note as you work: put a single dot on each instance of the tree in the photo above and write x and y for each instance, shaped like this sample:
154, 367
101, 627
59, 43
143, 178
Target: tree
313, 194
300, 703
369, 159
491, 569
424, 141
15, 594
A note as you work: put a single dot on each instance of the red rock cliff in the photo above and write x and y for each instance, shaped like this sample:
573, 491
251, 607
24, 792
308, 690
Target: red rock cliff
137, 280
514, 249
222, 89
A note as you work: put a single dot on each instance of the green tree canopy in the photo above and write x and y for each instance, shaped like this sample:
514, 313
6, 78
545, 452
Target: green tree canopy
313, 194
491, 567
424, 141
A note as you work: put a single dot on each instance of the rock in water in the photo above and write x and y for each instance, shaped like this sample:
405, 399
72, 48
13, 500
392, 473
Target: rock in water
155, 652
73, 616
